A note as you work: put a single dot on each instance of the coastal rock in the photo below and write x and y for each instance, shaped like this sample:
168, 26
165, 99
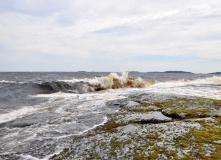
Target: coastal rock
154, 117
152, 120
138, 131
216, 113
175, 115
118, 103
132, 104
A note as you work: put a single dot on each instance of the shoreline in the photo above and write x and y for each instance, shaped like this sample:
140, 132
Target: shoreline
189, 131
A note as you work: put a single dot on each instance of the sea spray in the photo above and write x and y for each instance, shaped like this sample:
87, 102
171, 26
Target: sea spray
114, 81
210, 80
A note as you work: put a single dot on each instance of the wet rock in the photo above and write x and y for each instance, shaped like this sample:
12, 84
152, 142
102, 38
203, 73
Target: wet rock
217, 142
152, 120
117, 103
149, 117
21, 125
216, 113
132, 104
137, 131
174, 115
207, 120
32, 120
182, 115
186, 113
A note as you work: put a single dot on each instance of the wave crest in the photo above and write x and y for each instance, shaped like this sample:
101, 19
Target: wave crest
213, 79
114, 81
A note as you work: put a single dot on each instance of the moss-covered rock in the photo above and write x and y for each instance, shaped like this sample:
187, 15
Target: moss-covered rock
135, 132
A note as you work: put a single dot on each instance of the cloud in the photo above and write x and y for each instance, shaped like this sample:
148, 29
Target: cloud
111, 31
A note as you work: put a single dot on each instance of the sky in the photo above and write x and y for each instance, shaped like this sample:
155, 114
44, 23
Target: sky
110, 35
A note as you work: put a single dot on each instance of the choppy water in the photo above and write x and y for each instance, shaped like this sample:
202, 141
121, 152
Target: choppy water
40, 113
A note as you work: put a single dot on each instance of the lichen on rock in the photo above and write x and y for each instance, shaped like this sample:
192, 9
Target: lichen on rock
155, 127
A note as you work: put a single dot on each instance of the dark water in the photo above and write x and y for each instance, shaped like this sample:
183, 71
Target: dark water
54, 76
16, 86
41, 112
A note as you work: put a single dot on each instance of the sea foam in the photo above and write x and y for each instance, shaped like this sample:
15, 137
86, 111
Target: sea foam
114, 81
16, 114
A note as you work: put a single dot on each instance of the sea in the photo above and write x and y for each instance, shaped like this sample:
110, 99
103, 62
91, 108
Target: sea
42, 112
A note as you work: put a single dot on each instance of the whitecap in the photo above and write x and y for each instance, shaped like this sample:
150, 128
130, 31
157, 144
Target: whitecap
19, 113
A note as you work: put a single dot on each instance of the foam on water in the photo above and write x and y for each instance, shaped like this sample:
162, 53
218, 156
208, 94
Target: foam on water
4, 81
108, 81
211, 80
207, 88
86, 96
115, 81
29, 157
17, 114
74, 80
214, 79
64, 115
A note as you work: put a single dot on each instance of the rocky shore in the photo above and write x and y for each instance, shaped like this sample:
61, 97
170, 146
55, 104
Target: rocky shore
153, 126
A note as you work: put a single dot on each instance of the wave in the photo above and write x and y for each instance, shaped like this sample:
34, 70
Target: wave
214, 79
4, 81
206, 88
114, 81
10, 89
14, 114
56, 86
211, 80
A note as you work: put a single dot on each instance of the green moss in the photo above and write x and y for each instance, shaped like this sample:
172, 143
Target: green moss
182, 144
186, 102
115, 144
137, 109
173, 154
210, 134
110, 126
152, 136
196, 138
155, 153
193, 107
129, 141
217, 153
216, 103
139, 155
103, 145
147, 144
191, 113
144, 146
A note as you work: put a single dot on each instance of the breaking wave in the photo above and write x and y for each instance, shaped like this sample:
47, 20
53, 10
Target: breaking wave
4, 81
17, 114
212, 80
114, 81
81, 86
69, 87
